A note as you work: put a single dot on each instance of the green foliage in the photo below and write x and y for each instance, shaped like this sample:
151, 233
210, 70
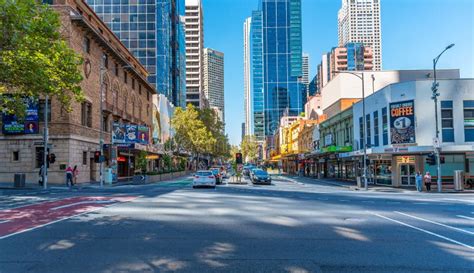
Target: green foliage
141, 162
249, 147
167, 162
34, 59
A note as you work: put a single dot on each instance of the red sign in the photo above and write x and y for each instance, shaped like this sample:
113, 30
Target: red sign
121, 159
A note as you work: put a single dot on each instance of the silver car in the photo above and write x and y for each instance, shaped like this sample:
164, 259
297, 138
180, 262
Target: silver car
204, 179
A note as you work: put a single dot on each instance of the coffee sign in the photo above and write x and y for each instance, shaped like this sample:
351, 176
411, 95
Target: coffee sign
402, 122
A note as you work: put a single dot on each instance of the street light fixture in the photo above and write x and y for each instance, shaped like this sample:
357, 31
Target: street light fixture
434, 97
360, 75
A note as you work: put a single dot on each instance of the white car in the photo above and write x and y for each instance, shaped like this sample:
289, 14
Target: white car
204, 179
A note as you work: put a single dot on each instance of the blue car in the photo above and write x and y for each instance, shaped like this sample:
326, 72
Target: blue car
260, 176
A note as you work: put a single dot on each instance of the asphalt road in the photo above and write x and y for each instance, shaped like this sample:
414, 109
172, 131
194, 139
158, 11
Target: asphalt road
293, 225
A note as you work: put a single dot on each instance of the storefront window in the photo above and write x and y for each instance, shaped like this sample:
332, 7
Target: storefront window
383, 172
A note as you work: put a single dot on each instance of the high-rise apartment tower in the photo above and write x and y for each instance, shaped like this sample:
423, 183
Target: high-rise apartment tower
359, 22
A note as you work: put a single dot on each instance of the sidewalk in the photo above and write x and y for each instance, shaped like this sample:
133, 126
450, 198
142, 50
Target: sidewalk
30, 186
371, 187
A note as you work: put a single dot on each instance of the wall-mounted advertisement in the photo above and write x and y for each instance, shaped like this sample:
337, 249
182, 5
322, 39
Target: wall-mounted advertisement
402, 122
118, 133
143, 134
129, 133
11, 125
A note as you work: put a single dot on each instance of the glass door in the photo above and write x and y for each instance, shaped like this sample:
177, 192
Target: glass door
407, 174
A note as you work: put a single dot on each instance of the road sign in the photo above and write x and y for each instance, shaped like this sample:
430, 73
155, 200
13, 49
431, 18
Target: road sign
436, 143
240, 167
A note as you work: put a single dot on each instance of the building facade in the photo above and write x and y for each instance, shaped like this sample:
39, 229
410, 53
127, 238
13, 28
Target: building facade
194, 54
276, 64
247, 82
400, 131
154, 32
123, 97
214, 80
305, 74
359, 22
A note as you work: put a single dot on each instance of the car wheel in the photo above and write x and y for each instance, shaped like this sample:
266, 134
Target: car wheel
194, 187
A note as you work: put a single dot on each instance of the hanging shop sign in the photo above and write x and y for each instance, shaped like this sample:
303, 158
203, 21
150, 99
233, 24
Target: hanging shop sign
143, 134
12, 125
118, 133
405, 159
402, 122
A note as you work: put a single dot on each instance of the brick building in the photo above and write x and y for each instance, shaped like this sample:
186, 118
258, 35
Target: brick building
74, 136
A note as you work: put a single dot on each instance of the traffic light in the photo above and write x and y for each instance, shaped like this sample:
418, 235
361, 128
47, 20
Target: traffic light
431, 159
97, 156
441, 160
51, 158
238, 158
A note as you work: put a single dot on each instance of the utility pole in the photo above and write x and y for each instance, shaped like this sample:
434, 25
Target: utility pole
45, 137
434, 89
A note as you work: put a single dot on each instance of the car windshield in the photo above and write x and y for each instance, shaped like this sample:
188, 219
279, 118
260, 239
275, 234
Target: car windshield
203, 173
260, 172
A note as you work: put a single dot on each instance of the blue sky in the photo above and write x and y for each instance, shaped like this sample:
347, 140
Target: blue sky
413, 33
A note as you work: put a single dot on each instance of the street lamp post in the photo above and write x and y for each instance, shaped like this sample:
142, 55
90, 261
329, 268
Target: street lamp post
434, 97
46, 138
361, 77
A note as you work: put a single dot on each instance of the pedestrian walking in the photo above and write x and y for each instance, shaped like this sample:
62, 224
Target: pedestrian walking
419, 180
427, 180
69, 177
75, 173
41, 175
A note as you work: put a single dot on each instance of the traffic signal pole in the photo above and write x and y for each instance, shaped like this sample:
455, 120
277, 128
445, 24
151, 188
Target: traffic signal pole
45, 136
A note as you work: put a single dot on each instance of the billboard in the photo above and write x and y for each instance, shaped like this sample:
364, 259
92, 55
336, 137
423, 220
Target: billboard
129, 133
402, 122
11, 125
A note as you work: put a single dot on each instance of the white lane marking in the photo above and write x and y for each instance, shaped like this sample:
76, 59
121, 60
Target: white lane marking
4, 221
459, 200
368, 201
421, 203
465, 217
422, 230
436, 223
83, 202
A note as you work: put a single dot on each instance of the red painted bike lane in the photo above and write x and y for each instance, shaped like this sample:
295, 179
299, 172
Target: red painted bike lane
18, 220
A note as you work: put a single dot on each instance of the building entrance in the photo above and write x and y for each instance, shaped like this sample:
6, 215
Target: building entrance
407, 174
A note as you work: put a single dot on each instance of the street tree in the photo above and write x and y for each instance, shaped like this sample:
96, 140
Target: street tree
190, 131
249, 148
35, 60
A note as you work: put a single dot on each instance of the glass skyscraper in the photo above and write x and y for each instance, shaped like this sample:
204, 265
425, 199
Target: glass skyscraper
276, 64
153, 30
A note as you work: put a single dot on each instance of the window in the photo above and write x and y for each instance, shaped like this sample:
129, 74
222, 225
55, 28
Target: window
368, 129
116, 69
125, 80
468, 120
86, 114
384, 126
16, 156
139, 89
41, 110
86, 45
105, 59
133, 83
84, 158
447, 123
105, 123
376, 128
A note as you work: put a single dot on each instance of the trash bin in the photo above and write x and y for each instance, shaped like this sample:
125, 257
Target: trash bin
19, 180
458, 180
359, 182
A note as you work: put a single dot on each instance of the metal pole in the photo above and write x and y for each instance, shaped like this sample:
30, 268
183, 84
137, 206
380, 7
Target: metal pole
46, 136
101, 134
436, 149
365, 133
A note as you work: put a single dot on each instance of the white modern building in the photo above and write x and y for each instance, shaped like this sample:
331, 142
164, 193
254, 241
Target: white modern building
214, 80
347, 86
359, 21
305, 67
194, 53
400, 122
247, 80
